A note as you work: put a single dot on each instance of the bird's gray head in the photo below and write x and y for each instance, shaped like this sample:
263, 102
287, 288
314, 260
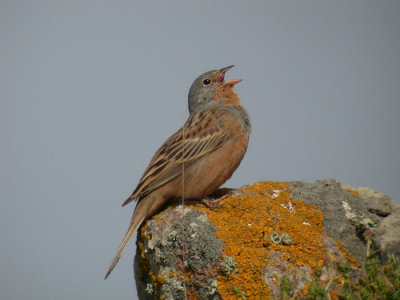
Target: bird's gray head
204, 89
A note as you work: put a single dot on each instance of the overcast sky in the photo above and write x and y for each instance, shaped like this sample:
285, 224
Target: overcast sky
90, 89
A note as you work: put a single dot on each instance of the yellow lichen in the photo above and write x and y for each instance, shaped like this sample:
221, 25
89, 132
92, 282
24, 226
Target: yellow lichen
160, 279
347, 254
245, 223
354, 192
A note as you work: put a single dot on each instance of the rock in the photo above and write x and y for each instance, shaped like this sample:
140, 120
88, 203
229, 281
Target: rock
181, 240
387, 234
340, 208
376, 202
299, 275
262, 233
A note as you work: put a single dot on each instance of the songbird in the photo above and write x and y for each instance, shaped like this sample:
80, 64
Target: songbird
205, 151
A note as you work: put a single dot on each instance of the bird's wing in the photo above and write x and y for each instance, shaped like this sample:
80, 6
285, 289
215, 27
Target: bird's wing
201, 135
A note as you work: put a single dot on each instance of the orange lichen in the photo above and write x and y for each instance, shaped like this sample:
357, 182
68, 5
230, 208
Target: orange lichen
153, 278
160, 279
347, 254
354, 192
245, 223
192, 295
144, 264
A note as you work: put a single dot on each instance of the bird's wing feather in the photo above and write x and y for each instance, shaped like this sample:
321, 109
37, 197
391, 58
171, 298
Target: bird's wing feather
202, 134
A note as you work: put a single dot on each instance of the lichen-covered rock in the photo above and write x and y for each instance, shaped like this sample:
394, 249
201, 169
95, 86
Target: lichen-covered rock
377, 203
341, 209
178, 252
300, 275
386, 228
261, 234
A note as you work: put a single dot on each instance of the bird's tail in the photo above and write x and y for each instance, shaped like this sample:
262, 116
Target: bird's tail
137, 220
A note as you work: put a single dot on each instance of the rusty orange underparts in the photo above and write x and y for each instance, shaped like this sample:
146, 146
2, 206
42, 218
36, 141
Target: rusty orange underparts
246, 222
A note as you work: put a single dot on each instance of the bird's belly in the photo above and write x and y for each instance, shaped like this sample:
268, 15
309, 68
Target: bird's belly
211, 172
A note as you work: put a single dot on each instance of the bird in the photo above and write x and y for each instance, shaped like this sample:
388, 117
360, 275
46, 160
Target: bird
199, 157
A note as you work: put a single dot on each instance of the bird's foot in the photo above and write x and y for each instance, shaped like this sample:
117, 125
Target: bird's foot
214, 203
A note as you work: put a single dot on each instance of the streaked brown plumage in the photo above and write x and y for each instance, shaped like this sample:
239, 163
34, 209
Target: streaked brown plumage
209, 147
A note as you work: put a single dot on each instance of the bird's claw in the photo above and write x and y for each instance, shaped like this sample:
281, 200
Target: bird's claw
213, 203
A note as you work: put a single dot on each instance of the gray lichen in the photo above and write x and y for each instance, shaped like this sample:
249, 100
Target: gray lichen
229, 266
280, 239
182, 242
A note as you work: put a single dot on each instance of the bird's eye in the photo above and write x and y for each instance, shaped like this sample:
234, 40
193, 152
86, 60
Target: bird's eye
206, 81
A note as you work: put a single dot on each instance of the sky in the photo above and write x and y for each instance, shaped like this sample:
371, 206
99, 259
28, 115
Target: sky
90, 89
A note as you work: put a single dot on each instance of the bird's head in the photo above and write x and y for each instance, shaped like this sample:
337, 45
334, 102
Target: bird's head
210, 88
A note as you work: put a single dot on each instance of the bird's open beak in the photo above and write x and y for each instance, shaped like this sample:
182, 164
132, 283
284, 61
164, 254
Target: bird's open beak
232, 82
222, 77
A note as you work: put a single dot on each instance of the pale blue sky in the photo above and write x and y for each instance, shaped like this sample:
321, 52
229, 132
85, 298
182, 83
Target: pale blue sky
90, 89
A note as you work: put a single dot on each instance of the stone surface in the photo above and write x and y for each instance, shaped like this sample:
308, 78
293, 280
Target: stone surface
180, 242
299, 276
340, 208
377, 203
387, 234
227, 252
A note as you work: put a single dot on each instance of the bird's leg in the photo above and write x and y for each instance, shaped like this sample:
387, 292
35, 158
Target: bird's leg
214, 202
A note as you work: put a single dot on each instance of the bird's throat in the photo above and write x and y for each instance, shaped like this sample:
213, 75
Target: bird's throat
230, 97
